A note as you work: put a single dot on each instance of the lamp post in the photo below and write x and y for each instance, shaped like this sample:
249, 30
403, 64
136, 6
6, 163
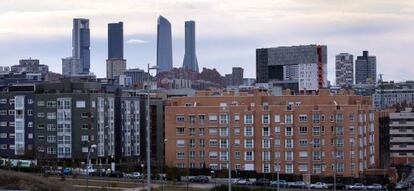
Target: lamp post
214, 175
148, 129
162, 167
228, 133
88, 163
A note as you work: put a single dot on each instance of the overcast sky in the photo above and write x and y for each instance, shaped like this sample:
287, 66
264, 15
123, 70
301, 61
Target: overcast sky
227, 32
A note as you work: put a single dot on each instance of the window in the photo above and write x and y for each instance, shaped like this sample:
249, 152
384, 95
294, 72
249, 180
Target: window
248, 119
180, 155
289, 143
84, 115
289, 168
316, 130
303, 167
212, 131
213, 155
303, 130
303, 154
179, 118
289, 119
316, 155
85, 126
30, 136
351, 117
266, 168
288, 131
51, 104
202, 143
3, 146
277, 142
236, 130
11, 124
212, 118
236, 142
236, 117
51, 139
212, 143
40, 114
192, 131
340, 142
51, 127
289, 155
265, 143
224, 118
41, 126
317, 168
3, 101
224, 155
201, 131
339, 118
303, 118
192, 119
3, 135
277, 129
265, 119
51, 115
316, 143
224, 131
201, 119
85, 138
223, 143
40, 103
3, 124
248, 131
303, 142
180, 143
265, 131
202, 154
339, 130
277, 118
3, 112
40, 137
340, 167
248, 155
248, 143
266, 155
237, 155
316, 118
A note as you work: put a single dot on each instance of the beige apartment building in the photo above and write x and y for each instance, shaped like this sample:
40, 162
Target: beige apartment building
292, 134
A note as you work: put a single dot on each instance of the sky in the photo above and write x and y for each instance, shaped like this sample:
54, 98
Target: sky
227, 31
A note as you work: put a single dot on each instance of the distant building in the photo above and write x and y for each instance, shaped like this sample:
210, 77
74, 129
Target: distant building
137, 75
30, 66
390, 94
366, 69
115, 64
299, 68
164, 45
237, 76
80, 49
344, 69
190, 58
401, 132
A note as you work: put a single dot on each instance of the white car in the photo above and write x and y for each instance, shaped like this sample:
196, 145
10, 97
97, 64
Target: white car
135, 175
242, 181
356, 186
319, 185
375, 187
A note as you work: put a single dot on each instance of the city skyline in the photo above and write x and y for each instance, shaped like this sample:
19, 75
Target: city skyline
380, 27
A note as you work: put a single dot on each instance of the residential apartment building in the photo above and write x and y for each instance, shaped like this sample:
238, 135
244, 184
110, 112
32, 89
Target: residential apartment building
299, 68
17, 121
400, 133
344, 69
71, 116
317, 134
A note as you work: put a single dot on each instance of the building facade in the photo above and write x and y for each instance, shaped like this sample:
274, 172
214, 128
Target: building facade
366, 69
344, 69
190, 59
71, 116
115, 64
299, 68
316, 134
164, 45
30, 66
17, 122
401, 131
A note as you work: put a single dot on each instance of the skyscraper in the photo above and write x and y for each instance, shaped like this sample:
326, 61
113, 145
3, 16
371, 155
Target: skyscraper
164, 45
366, 69
81, 43
344, 69
79, 62
190, 58
115, 64
299, 68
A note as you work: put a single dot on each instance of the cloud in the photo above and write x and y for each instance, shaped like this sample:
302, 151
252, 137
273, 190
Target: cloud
137, 41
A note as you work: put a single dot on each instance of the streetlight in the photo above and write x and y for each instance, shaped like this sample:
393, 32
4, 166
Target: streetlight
162, 166
148, 129
88, 163
213, 174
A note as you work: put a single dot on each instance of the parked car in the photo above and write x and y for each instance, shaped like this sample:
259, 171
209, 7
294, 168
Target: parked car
200, 178
319, 185
134, 175
298, 184
401, 186
356, 186
67, 171
340, 186
280, 183
375, 187
115, 174
262, 182
242, 181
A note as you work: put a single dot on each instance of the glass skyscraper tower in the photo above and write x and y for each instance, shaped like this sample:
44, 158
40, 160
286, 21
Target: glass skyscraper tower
190, 58
164, 45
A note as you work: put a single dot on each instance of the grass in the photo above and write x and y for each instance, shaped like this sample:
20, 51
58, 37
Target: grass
24, 181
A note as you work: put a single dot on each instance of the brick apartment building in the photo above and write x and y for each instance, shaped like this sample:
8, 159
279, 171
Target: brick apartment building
298, 135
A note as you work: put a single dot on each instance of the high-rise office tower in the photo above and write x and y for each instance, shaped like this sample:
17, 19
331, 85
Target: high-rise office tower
79, 63
366, 69
115, 64
190, 58
164, 45
81, 43
298, 68
344, 69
